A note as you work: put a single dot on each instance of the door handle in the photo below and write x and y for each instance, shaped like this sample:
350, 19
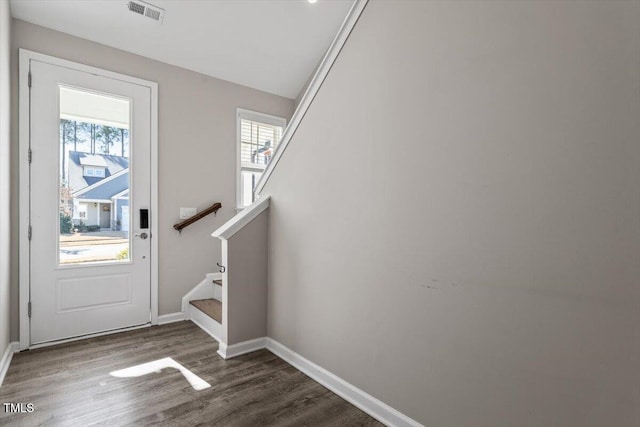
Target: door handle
142, 235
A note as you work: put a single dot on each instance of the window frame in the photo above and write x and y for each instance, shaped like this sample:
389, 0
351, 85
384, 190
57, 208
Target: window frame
244, 114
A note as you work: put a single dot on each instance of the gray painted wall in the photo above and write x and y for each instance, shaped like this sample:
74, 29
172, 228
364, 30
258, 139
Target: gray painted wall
5, 140
197, 137
298, 99
455, 227
246, 278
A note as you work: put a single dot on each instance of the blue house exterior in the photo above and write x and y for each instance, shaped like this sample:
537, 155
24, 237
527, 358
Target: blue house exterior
99, 187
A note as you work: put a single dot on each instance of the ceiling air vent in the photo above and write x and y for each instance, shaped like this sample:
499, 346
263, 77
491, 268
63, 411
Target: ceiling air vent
136, 7
152, 13
146, 9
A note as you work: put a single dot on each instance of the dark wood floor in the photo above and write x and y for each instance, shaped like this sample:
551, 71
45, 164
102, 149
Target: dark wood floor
70, 384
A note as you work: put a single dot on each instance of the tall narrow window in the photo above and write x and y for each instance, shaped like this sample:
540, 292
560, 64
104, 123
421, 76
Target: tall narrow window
94, 177
258, 137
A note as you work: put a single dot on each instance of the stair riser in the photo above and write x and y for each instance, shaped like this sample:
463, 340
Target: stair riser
206, 323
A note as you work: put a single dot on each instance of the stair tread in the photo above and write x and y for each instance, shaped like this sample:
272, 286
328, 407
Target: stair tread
211, 307
217, 282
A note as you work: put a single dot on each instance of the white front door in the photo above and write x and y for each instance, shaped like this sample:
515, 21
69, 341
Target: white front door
90, 139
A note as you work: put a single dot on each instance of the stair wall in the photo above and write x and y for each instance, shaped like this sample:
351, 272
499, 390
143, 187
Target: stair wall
245, 296
455, 225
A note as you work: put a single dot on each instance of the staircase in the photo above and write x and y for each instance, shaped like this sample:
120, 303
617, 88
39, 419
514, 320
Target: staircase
203, 305
236, 315
211, 307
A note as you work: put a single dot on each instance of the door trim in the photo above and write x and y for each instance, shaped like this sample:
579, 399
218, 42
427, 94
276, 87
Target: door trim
25, 56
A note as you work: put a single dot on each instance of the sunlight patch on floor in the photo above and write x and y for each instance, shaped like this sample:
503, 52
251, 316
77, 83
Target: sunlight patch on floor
157, 366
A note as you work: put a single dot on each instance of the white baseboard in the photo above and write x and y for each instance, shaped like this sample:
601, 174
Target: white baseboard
170, 318
234, 350
359, 398
367, 403
222, 350
12, 347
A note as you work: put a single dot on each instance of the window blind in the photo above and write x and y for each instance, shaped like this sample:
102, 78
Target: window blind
258, 142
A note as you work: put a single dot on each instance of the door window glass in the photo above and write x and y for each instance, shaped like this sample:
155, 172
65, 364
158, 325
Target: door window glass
94, 147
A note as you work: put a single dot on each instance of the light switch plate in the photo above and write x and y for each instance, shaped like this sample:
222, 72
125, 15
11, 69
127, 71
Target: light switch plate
187, 212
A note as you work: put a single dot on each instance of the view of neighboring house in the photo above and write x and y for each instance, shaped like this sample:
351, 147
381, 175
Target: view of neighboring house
99, 187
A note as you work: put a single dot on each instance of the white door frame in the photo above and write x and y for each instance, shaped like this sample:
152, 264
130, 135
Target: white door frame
24, 138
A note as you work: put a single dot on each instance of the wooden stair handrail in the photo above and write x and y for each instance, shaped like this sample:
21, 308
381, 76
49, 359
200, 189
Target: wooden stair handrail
211, 209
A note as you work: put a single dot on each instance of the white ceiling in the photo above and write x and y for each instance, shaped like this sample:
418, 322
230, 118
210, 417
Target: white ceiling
271, 45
